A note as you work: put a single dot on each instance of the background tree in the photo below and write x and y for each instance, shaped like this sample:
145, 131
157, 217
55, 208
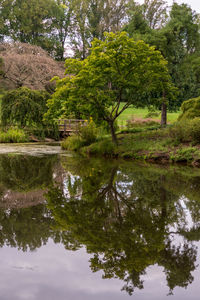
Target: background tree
155, 13
152, 13
118, 72
27, 65
91, 18
23, 107
178, 40
27, 22
61, 27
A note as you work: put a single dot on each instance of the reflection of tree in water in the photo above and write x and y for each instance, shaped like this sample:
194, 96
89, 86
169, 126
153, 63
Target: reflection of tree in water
26, 229
23, 179
126, 216
23, 172
24, 176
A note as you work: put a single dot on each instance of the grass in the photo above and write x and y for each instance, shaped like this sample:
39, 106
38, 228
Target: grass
13, 136
131, 113
156, 146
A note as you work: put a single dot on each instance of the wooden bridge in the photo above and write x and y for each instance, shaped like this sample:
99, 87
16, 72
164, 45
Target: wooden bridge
68, 126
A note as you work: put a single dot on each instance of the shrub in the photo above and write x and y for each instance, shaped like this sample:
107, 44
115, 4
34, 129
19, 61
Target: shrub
180, 131
190, 109
88, 133
104, 147
72, 143
194, 130
187, 131
184, 154
86, 136
13, 136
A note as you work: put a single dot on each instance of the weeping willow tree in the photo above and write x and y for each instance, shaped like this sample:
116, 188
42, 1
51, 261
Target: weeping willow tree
23, 107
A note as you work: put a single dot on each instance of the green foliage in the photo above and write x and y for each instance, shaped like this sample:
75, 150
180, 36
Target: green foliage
118, 70
73, 143
186, 131
103, 148
128, 208
13, 135
179, 42
184, 154
88, 133
190, 109
152, 114
23, 107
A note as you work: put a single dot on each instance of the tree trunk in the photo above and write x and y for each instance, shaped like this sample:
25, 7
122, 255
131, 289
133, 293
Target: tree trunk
113, 134
164, 114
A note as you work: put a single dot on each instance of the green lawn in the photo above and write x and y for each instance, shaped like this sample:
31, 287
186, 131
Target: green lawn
131, 113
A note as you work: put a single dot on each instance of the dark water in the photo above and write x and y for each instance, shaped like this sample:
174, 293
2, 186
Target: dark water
80, 229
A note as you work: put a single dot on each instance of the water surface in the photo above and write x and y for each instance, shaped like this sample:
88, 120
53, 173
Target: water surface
73, 228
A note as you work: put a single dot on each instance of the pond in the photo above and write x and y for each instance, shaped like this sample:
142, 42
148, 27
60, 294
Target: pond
77, 228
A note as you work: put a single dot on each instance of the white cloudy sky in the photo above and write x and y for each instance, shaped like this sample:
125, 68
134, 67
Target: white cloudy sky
195, 4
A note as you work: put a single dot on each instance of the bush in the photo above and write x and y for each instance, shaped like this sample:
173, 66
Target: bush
195, 130
41, 132
104, 147
187, 131
184, 154
88, 133
13, 136
190, 109
72, 143
180, 131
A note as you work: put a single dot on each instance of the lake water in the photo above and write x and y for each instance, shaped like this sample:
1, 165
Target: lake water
85, 229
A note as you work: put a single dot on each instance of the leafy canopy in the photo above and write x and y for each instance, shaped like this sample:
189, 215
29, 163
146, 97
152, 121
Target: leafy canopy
118, 70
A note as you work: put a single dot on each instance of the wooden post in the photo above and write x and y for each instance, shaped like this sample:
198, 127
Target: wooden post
65, 127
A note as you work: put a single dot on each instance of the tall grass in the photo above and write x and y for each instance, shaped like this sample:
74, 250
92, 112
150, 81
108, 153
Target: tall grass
13, 136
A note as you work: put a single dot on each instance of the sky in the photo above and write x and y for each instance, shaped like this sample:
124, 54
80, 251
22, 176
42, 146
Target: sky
195, 4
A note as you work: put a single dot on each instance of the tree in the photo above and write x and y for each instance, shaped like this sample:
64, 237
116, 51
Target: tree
91, 18
178, 40
155, 13
23, 107
27, 65
27, 21
61, 20
117, 74
179, 43
152, 14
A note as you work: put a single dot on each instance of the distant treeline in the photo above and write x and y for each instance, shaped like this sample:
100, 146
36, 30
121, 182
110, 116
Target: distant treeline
64, 27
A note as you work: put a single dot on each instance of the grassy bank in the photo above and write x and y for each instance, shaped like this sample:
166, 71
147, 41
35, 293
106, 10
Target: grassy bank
176, 143
154, 145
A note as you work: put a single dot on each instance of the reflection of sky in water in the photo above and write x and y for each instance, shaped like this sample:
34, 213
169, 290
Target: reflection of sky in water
53, 272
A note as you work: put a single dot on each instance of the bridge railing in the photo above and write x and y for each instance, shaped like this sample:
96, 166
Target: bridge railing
67, 126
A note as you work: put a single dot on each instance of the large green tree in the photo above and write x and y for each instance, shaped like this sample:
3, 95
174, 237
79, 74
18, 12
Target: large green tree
179, 42
27, 21
118, 73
